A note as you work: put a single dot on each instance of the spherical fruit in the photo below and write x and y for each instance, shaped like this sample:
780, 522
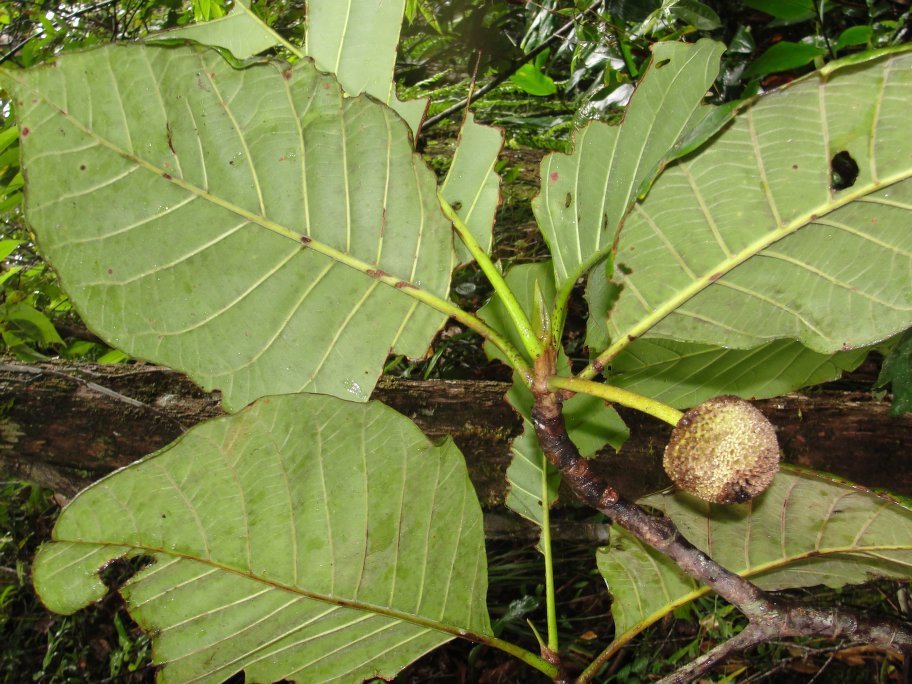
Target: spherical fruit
723, 450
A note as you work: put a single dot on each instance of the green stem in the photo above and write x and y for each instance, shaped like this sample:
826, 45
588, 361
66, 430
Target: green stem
616, 395
559, 315
593, 669
521, 322
522, 654
545, 544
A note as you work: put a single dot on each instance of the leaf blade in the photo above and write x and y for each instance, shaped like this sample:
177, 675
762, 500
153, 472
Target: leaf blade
240, 31
684, 374
584, 196
280, 535
779, 207
357, 42
472, 186
173, 194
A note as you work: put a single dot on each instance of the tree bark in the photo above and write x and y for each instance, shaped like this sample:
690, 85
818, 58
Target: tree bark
64, 425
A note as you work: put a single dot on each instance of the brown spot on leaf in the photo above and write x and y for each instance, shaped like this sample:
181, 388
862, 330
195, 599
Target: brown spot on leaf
166, 176
376, 273
82, 167
715, 276
553, 176
286, 74
305, 240
403, 283
25, 131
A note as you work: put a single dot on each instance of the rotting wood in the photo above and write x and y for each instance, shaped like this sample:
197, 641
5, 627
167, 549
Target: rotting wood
65, 425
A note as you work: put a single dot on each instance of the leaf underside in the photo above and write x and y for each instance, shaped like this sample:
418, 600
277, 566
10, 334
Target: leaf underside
472, 186
357, 42
754, 239
240, 31
171, 193
585, 195
305, 538
684, 374
806, 529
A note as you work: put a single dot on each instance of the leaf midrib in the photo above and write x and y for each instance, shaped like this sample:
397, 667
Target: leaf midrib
324, 598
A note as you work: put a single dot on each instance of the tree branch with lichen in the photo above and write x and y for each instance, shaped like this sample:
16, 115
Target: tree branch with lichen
769, 616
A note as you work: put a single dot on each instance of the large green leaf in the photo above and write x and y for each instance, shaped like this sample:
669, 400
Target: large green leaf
472, 186
305, 538
684, 374
173, 195
748, 241
356, 40
806, 529
584, 196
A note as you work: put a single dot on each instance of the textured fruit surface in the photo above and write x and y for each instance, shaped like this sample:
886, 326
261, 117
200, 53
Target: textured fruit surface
723, 450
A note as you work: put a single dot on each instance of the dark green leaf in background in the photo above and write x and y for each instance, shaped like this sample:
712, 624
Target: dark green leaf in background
788, 11
783, 56
533, 80
696, 14
897, 371
854, 35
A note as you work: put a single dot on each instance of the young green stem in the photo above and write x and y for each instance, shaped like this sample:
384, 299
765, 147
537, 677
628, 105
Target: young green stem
522, 654
545, 546
616, 395
521, 322
559, 314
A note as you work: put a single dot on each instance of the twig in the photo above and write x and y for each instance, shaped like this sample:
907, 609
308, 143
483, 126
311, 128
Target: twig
508, 72
751, 635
